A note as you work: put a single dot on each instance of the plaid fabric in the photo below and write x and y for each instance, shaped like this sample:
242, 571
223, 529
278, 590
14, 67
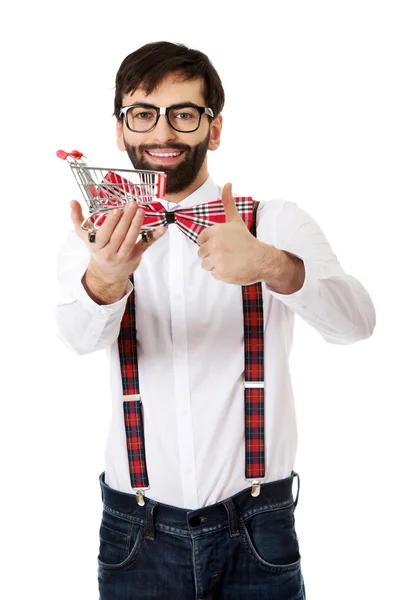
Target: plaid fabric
253, 315
254, 433
133, 407
191, 224
191, 221
127, 348
135, 443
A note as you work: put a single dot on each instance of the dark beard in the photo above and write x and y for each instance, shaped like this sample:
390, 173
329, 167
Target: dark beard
179, 177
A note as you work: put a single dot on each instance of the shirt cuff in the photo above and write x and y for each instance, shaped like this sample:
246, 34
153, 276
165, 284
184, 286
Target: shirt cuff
307, 294
91, 306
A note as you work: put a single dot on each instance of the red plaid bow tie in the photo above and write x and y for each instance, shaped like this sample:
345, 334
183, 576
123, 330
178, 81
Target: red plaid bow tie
191, 221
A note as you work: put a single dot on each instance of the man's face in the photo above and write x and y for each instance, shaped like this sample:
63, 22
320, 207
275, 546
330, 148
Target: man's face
190, 165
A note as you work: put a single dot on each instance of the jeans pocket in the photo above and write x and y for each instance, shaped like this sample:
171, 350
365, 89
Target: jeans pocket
121, 540
270, 539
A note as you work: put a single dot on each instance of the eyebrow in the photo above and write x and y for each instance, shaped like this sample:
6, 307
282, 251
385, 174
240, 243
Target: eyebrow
147, 105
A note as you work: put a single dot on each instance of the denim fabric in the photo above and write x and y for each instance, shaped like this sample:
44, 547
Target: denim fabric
240, 548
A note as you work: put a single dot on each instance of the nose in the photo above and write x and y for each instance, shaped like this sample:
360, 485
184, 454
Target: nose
163, 131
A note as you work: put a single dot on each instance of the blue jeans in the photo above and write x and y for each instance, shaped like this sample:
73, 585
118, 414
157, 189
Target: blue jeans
242, 548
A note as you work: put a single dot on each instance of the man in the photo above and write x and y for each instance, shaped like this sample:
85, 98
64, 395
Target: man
197, 492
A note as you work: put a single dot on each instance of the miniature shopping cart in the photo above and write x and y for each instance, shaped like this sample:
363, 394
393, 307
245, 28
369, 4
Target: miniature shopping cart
107, 189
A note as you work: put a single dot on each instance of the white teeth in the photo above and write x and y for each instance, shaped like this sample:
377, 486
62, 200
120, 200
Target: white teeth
163, 155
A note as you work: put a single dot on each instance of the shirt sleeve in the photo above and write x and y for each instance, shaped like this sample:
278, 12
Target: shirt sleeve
82, 324
332, 301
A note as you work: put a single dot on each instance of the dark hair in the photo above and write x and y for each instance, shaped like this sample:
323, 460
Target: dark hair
147, 67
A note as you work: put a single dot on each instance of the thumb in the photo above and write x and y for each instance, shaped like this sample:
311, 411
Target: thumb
231, 211
76, 215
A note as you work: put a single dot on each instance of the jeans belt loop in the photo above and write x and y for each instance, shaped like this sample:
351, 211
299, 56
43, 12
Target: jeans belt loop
150, 528
232, 517
298, 487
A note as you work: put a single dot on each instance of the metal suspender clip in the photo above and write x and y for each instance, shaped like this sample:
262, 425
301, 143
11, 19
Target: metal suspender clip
140, 497
255, 488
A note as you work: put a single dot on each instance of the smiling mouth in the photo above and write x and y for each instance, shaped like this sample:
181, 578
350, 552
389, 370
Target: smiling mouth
165, 158
165, 154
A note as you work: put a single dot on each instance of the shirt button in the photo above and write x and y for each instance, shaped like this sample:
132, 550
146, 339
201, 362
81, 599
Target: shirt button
194, 521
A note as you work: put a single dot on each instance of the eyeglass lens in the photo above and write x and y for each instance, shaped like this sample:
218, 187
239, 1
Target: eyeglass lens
183, 119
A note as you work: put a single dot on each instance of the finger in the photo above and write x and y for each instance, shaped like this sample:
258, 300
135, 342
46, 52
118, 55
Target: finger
77, 219
76, 215
207, 264
231, 211
132, 233
204, 236
204, 250
128, 215
104, 232
156, 234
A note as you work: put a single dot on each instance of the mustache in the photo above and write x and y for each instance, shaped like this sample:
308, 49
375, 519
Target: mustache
177, 147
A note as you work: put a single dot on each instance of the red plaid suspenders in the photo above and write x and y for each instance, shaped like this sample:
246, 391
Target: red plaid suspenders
253, 388
253, 317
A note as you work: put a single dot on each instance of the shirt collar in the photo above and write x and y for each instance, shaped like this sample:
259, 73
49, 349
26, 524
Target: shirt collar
208, 192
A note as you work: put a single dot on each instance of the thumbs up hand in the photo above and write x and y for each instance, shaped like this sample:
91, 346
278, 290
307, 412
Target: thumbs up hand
229, 251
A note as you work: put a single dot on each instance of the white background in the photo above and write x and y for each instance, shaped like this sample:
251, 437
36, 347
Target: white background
311, 116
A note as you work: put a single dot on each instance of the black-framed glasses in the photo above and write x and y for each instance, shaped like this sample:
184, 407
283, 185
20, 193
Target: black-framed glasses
184, 118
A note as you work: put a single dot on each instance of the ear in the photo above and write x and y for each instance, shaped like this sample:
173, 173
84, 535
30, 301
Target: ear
120, 136
215, 133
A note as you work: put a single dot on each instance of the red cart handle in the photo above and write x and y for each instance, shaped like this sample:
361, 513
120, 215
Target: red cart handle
75, 154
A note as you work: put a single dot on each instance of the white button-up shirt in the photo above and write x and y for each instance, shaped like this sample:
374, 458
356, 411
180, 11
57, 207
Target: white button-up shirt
191, 352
